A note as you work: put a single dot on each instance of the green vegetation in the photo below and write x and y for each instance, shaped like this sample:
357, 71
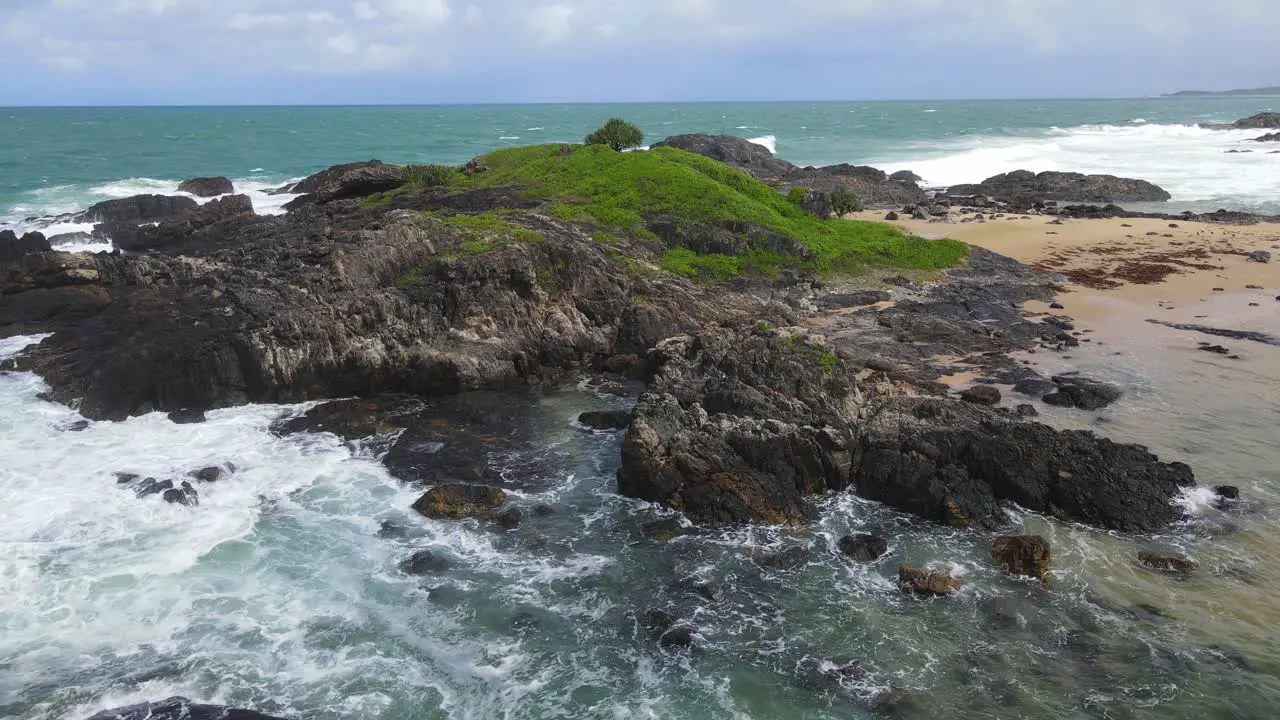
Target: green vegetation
828, 361
797, 195
763, 326
844, 201
617, 134
422, 177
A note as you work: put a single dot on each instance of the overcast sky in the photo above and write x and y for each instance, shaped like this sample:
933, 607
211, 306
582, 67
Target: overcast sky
127, 52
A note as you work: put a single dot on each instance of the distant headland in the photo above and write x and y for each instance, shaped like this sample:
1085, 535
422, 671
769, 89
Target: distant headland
1274, 90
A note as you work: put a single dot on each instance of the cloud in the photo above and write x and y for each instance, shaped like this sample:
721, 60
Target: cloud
552, 23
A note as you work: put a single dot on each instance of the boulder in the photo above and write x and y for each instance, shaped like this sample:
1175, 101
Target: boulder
177, 230
13, 247
1026, 411
458, 501
864, 548
1035, 387
508, 519
1260, 256
1024, 188
982, 395
137, 209
891, 216
424, 562
1083, 393
180, 708
1026, 555
921, 581
1227, 492
352, 180
207, 187
606, 420
1261, 121
1175, 563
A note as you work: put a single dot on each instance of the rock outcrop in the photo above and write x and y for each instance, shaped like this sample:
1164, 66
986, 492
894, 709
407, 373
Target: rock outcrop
1261, 121
873, 186
13, 247
207, 187
1024, 555
458, 501
352, 180
180, 708
1270, 137
224, 211
137, 209
1025, 187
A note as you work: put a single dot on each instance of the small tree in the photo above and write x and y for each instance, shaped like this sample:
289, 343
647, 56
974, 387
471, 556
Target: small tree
845, 201
617, 134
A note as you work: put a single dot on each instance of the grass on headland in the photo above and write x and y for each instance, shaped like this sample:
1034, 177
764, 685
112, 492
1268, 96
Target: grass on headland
619, 192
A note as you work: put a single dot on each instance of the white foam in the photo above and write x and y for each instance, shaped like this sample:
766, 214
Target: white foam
509, 137
768, 141
1188, 161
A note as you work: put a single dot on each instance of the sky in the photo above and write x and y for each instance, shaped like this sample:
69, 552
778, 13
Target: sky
198, 52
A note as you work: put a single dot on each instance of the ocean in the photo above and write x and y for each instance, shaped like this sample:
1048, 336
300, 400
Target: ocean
281, 592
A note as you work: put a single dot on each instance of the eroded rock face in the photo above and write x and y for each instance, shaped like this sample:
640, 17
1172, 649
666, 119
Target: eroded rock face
180, 708
207, 187
222, 212
1026, 555
1023, 185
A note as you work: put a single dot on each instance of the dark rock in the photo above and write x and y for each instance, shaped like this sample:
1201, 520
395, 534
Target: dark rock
13, 247
176, 230
187, 416
1272, 137
793, 558
891, 216
1035, 387
1026, 411
705, 589
982, 395
906, 176
475, 166
207, 187
1168, 562
606, 419
180, 708
1084, 393
1260, 256
508, 519
663, 530
1057, 306
329, 184
670, 633
1227, 492
920, 581
1023, 188
137, 209
860, 298
151, 486
1216, 349
864, 548
543, 511
425, 562
1027, 555
184, 494
1261, 121
457, 501
734, 151
209, 474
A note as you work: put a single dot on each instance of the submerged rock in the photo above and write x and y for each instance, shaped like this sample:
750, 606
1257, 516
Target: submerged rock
606, 419
1175, 563
180, 708
1083, 393
207, 187
864, 548
458, 501
920, 581
663, 530
1036, 387
1027, 555
187, 416
424, 562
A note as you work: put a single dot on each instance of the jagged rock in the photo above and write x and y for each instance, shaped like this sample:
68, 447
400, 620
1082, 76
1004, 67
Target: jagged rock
663, 530
920, 213
425, 562
209, 474
13, 247
137, 209
817, 204
920, 581
1027, 555
1260, 256
864, 548
1083, 393
207, 187
1026, 411
1024, 188
982, 395
458, 501
606, 419
180, 708
1271, 137
1168, 562
351, 180
173, 231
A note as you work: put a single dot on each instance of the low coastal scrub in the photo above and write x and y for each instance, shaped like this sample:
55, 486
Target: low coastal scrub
617, 134
619, 193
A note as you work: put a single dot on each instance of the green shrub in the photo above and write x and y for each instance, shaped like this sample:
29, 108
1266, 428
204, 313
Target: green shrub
845, 201
828, 361
797, 195
617, 134
430, 176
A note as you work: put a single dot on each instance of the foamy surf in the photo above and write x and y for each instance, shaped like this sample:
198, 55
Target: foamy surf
767, 141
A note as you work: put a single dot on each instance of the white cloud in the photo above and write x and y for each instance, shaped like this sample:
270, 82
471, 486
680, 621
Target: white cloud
551, 23
365, 11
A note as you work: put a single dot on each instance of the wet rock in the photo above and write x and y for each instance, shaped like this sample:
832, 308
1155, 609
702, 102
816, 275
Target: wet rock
1215, 349
1057, 306
670, 633
1260, 256
181, 228
906, 176
921, 581
793, 558
606, 419
1175, 563
152, 486
863, 547
1035, 387
182, 495
208, 474
1227, 492
425, 562
1083, 393
13, 247
1027, 555
1026, 411
207, 187
137, 209
180, 708
187, 416
982, 395
543, 511
663, 530
705, 589
458, 501
508, 519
